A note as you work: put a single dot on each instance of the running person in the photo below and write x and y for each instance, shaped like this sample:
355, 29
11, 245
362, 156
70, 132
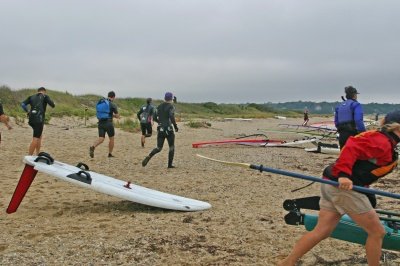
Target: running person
4, 118
145, 116
366, 158
349, 117
306, 119
165, 117
38, 104
105, 125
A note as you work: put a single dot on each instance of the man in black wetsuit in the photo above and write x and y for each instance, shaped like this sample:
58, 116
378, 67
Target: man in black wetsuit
165, 117
38, 103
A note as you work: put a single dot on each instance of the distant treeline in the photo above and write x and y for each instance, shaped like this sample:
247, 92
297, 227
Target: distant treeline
84, 105
329, 107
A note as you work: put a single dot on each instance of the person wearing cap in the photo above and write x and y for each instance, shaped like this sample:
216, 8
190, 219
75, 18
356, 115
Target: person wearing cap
145, 116
365, 159
165, 117
106, 125
349, 117
38, 104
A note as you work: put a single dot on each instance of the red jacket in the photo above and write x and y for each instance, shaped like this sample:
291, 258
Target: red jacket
367, 157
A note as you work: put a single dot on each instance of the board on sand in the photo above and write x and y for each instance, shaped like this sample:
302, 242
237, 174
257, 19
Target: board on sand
346, 229
256, 142
98, 182
240, 141
324, 148
295, 143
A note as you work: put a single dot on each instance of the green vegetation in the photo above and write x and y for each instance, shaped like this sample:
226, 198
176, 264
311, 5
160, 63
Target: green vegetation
84, 106
129, 125
198, 124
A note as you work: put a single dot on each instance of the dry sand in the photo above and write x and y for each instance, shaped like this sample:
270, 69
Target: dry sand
62, 224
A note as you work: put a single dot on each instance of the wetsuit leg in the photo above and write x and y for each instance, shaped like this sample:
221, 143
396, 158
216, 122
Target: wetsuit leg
171, 152
160, 143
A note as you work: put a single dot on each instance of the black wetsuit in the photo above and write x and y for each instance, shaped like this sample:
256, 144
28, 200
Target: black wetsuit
165, 117
106, 125
38, 103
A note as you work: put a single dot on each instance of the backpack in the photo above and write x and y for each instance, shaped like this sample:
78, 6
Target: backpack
145, 116
36, 114
103, 109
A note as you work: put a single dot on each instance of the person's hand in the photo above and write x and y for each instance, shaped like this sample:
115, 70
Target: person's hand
176, 128
345, 183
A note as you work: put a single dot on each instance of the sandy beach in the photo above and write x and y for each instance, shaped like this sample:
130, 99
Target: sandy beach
62, 224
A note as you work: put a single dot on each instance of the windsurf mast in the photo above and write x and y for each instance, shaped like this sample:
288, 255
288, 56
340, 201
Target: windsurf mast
262, 168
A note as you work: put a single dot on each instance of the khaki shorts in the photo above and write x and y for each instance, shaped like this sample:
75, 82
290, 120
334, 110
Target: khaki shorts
343, 201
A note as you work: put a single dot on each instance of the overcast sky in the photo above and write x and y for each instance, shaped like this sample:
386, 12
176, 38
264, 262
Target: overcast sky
231, 51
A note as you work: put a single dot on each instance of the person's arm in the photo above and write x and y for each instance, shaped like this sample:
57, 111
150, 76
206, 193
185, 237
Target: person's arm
359, 117
155, 115
114, 110
336, 117
49, 101
172, 118
138, 113
25, 103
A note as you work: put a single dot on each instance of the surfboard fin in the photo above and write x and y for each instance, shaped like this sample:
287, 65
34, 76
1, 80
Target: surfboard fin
25, 181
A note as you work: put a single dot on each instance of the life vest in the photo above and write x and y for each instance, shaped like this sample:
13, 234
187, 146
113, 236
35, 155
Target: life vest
345, 111
366, 172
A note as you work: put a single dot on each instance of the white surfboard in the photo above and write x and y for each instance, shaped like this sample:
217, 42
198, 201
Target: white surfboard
115, 187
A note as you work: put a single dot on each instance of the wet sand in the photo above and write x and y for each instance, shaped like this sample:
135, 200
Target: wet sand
62, 224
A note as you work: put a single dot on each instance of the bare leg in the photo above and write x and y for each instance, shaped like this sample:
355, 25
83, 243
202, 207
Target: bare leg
39, 145
369, 221
143, 140
111, 145
98, 142
34, 146
327, 221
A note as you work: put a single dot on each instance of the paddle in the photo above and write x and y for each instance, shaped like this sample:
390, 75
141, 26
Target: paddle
262, 168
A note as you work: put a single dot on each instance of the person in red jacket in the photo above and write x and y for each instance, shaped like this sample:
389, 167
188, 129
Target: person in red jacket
364, 160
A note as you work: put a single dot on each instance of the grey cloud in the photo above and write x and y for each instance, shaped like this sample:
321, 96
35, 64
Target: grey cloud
221, 51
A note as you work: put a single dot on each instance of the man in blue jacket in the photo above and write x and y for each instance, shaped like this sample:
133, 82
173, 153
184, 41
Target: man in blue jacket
349, 117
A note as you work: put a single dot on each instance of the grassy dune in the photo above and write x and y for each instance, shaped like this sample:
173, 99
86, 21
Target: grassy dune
81, 105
